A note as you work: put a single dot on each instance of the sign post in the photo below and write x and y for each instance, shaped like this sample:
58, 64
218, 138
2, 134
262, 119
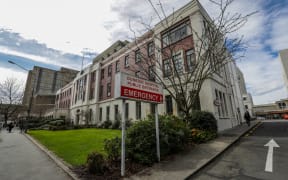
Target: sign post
123, 139
137, 89
157, 132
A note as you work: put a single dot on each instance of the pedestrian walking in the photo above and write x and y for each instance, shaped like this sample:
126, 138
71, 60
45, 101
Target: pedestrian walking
10, 127
247, 117
21, 125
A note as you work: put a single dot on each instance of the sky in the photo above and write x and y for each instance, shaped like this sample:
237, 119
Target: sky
62, 33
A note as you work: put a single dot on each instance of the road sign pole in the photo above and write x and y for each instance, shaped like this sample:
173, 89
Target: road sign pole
157, 132
123, 140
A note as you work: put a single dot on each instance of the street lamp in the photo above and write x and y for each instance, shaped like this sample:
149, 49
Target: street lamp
32, 93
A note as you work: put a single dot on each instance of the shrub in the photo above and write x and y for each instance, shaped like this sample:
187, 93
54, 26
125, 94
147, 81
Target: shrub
95, 163
107, 124
200, 136
141, 139
113, 148
116, 124
202, 120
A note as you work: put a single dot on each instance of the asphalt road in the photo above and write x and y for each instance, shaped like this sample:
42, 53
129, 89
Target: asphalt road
247, 159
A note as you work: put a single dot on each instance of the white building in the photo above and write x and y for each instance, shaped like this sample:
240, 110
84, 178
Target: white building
92, 94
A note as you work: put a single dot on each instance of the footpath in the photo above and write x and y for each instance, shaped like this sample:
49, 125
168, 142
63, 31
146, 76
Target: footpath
184, 165
21, 159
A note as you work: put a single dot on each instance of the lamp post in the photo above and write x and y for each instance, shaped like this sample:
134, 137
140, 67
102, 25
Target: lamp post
32, 93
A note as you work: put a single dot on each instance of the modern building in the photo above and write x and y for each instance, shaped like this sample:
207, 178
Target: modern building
275, 110
43, 84
92, 98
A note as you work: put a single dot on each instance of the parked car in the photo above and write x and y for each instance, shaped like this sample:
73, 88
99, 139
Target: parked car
285, 116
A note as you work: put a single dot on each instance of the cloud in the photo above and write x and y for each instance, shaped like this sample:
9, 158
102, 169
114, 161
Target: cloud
133, 13
14, 44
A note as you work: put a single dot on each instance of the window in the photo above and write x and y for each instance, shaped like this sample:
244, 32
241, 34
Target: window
101, 92
178, 63
126, 110
137, 73
126, 61
116, 112
190, 60
138, 110
167, 68
117, 67
92, 76
151, 73
282, 105
137, 56
102, 73
90, 115
222, 108
246, 106
244, 98
107, 113
110, 70
218, 99
150, 49
176, 34
169, 104
152, 108
100, 114
109, 89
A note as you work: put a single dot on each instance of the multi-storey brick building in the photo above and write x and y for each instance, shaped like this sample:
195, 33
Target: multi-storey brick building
92, 99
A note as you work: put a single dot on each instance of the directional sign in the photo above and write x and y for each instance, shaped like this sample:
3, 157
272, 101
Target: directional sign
269, 160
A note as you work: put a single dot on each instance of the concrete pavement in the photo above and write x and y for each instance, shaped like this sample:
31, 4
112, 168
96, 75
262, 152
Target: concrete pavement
184, 165
21, 159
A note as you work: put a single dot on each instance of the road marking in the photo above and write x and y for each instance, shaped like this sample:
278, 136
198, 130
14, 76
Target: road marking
269, 160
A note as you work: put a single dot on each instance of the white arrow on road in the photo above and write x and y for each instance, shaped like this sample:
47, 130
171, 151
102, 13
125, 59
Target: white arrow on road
269, 160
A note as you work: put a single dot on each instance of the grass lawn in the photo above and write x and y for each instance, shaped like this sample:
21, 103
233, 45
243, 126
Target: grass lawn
74, 145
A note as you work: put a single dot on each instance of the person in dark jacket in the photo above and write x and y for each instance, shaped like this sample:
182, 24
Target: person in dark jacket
10, 127
247, 117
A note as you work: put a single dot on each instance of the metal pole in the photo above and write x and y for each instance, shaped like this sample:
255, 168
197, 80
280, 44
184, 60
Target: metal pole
123, 140
157, 132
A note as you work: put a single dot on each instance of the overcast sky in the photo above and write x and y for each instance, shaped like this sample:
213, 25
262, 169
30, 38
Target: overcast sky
53, 33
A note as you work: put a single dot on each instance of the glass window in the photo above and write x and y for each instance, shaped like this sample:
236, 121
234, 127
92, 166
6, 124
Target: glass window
107, 113
138, 110
116, 112
110, 70
152, 108
100, 114
117, 67
151, 73
126, 61
178, 63
169, 104
176, 34
102, 73
150, 48
101, 92
109, 89
167, 68
137, 56
190, 60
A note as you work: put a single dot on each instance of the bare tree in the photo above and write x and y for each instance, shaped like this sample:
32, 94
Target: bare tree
207, 51
11, 95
